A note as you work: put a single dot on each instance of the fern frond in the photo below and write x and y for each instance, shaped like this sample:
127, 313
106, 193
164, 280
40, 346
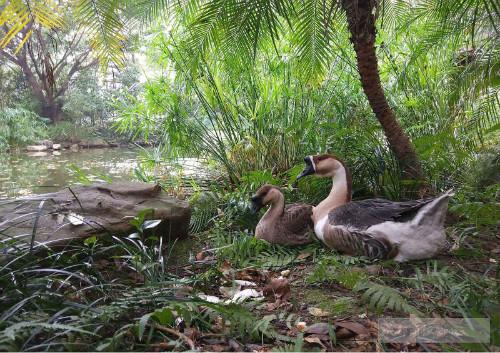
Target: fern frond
381, 297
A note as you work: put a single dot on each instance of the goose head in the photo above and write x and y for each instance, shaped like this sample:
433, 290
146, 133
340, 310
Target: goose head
324, 165
267, 194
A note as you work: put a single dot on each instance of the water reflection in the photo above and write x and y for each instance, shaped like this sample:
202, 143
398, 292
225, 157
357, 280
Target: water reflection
25, 174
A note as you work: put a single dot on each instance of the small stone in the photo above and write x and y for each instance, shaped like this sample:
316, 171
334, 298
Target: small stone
318, 312
285, 273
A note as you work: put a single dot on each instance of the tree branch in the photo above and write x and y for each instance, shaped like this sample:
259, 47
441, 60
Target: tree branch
9, 56
72, 45
74, 69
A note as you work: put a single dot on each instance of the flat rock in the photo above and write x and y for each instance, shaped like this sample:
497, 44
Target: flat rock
36, 148
99, 209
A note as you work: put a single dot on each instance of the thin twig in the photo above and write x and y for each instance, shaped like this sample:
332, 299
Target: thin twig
182, 336
69, 188
35, 225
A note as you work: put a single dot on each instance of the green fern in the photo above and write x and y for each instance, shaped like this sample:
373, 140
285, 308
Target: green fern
279, 256
381, 297
204, 210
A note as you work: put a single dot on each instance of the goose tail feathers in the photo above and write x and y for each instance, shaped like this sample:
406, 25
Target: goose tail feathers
434, 213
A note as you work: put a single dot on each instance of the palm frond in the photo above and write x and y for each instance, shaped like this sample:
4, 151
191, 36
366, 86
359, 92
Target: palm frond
311, 36
101, 20
235, 26
17, 15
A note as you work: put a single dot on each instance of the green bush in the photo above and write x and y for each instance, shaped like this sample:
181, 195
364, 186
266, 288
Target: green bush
19, 127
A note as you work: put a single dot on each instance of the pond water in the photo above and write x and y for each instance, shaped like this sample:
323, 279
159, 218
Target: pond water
24, 174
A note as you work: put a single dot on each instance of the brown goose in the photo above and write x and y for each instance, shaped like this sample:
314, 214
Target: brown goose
290, 225
377, 228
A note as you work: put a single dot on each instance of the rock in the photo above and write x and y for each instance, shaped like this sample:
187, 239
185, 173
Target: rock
74, 147
99, 209
47, 143
95, 143
36, 148
56, 146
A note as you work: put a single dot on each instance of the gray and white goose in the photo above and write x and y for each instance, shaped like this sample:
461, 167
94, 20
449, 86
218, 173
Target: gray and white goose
377, 228
284, 225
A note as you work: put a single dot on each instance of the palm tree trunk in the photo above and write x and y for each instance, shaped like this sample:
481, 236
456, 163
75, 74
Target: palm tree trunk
361, 22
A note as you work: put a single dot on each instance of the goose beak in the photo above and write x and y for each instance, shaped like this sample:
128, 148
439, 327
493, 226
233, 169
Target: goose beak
256, 204
308, 170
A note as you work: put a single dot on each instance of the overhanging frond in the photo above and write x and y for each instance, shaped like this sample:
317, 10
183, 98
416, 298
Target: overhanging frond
17, 15
101, 20
312, 36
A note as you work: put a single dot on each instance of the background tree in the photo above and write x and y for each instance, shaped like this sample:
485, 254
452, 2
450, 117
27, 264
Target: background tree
49, 65
237, 27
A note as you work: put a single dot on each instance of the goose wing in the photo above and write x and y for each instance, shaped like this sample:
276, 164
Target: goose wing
366, 213
297, 218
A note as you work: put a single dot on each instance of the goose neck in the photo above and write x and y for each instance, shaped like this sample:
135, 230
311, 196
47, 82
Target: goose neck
339, 195
277, 207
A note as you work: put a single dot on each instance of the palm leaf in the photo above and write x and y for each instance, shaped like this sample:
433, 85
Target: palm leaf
17, 15
311, 37
100, 19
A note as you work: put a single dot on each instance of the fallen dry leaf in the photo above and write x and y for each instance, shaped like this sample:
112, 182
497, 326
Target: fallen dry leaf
314, 339
343, 333
304, 255
251, 274
320, 328
245, 294
245, 283
355, 327
229, 292
235, 345
226, 269
210, 298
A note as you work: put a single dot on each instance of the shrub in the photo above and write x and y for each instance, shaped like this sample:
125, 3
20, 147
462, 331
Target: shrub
19, 127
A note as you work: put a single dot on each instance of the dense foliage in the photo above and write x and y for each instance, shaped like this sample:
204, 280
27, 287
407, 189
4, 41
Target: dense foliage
249, 91
19, 127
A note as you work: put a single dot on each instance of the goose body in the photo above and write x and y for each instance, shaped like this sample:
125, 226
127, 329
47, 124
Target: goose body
377, 228
284, 225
